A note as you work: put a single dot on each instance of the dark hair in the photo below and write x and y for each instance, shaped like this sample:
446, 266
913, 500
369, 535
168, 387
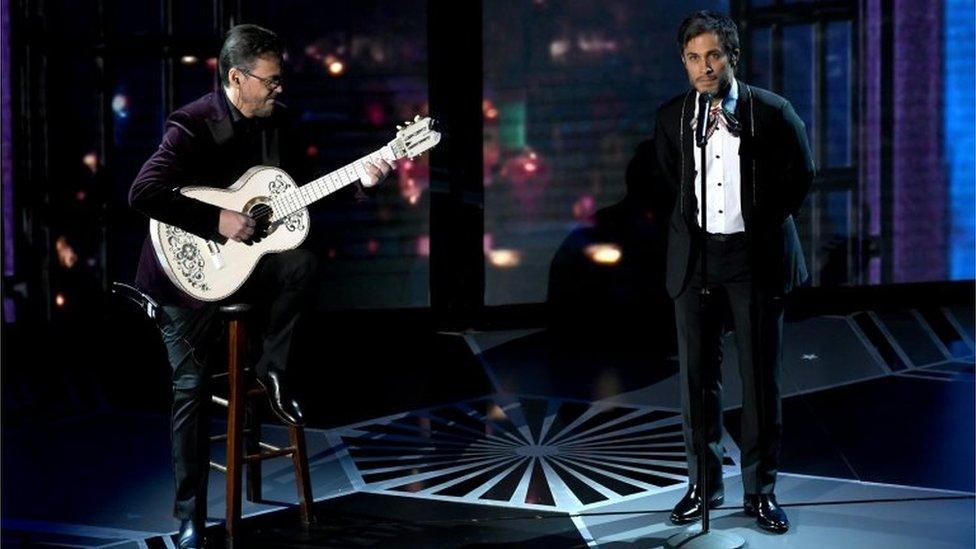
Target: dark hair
704, 21
243, 45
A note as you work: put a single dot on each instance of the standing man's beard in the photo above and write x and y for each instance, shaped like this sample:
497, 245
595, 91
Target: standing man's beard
724, 84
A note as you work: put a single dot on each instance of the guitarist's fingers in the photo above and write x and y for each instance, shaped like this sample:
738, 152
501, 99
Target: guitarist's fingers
373, 175
385, 166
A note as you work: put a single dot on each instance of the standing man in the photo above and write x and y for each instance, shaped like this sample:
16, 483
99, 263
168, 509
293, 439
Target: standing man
213, 141
759, 170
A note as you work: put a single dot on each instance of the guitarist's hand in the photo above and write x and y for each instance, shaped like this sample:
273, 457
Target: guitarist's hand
236, 226
376, 172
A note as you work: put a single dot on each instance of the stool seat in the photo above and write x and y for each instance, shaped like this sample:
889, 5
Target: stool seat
235, 309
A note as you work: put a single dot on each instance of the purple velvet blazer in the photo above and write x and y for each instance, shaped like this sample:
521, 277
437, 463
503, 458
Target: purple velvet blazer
202, 145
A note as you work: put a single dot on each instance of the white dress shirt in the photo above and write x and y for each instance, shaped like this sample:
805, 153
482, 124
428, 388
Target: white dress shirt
722, 174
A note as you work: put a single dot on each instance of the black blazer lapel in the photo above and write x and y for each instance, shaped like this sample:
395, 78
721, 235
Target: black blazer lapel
745, 113
220, 124
688, 152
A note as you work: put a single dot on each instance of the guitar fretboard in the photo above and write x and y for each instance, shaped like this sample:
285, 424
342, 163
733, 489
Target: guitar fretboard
295, 199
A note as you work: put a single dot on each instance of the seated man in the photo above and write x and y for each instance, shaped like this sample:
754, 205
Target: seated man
212, 141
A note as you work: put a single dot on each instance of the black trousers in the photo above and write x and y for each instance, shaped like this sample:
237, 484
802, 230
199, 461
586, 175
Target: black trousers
757, 322
278, 288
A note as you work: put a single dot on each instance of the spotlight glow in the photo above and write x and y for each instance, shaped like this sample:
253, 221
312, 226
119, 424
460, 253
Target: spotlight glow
120, 105
603, 254
334, 65
505, 259
90, 160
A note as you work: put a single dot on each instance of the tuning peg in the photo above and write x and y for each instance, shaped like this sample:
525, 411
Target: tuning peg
416, 118
399, 128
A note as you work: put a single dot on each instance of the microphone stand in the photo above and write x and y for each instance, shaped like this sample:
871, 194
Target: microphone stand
704, 539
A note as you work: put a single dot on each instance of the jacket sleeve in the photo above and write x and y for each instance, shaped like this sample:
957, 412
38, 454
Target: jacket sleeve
155, 191
799, 168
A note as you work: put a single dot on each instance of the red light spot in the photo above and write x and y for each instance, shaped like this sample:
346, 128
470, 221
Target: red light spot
375, 114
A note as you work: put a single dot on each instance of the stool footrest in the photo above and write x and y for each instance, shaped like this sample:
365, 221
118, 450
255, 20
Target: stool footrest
270, 454
218, 438
221, 401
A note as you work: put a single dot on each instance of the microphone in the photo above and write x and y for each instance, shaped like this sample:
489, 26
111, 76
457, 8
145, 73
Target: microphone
704, 108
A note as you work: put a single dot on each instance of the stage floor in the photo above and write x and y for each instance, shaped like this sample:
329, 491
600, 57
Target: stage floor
565, 452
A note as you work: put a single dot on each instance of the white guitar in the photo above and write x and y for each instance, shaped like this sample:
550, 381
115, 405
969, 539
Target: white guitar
210, 271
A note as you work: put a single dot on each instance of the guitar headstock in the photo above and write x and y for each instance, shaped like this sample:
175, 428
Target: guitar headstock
414, 138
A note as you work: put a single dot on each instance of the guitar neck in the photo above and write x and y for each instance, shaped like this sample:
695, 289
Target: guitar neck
301, 197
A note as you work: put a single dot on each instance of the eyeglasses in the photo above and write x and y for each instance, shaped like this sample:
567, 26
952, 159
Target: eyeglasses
271, 83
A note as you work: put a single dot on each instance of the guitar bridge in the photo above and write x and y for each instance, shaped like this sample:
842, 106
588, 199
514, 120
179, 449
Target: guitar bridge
215, 256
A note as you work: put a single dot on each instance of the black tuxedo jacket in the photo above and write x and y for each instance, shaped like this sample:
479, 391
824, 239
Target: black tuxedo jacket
776, 173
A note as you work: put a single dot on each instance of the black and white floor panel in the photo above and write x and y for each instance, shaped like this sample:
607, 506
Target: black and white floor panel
878, 453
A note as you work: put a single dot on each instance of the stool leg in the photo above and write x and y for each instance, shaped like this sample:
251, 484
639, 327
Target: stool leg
235, 425
253, 446
299, 457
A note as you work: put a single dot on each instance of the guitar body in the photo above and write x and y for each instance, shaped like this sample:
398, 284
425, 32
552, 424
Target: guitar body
210, 271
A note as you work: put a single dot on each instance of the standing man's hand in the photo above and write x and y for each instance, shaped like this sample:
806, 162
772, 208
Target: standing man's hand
236, 226
376, 172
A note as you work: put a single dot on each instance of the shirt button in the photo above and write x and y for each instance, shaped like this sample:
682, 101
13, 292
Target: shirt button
720, 211
717, 156
719, 184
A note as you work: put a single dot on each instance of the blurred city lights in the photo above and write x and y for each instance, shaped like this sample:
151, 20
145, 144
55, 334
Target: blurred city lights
91, 161
423, 245
59, 300
489, 110
604, 254
66, 254
120, 105
504, 259
559, 48
334, 65
376, 114
189, 60
584, 207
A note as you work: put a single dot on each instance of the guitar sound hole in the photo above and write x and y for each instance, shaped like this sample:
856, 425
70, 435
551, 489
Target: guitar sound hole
261, 213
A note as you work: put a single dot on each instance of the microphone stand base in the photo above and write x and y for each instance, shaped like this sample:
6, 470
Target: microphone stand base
705, 540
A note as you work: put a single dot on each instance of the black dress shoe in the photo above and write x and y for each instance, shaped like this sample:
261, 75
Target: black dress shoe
282, 403
769, 515
191, 535
689, 509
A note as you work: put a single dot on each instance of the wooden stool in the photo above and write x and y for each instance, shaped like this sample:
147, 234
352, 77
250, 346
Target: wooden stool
243, 426
243, 429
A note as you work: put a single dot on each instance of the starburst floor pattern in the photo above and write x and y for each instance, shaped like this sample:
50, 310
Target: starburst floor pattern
520, 451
